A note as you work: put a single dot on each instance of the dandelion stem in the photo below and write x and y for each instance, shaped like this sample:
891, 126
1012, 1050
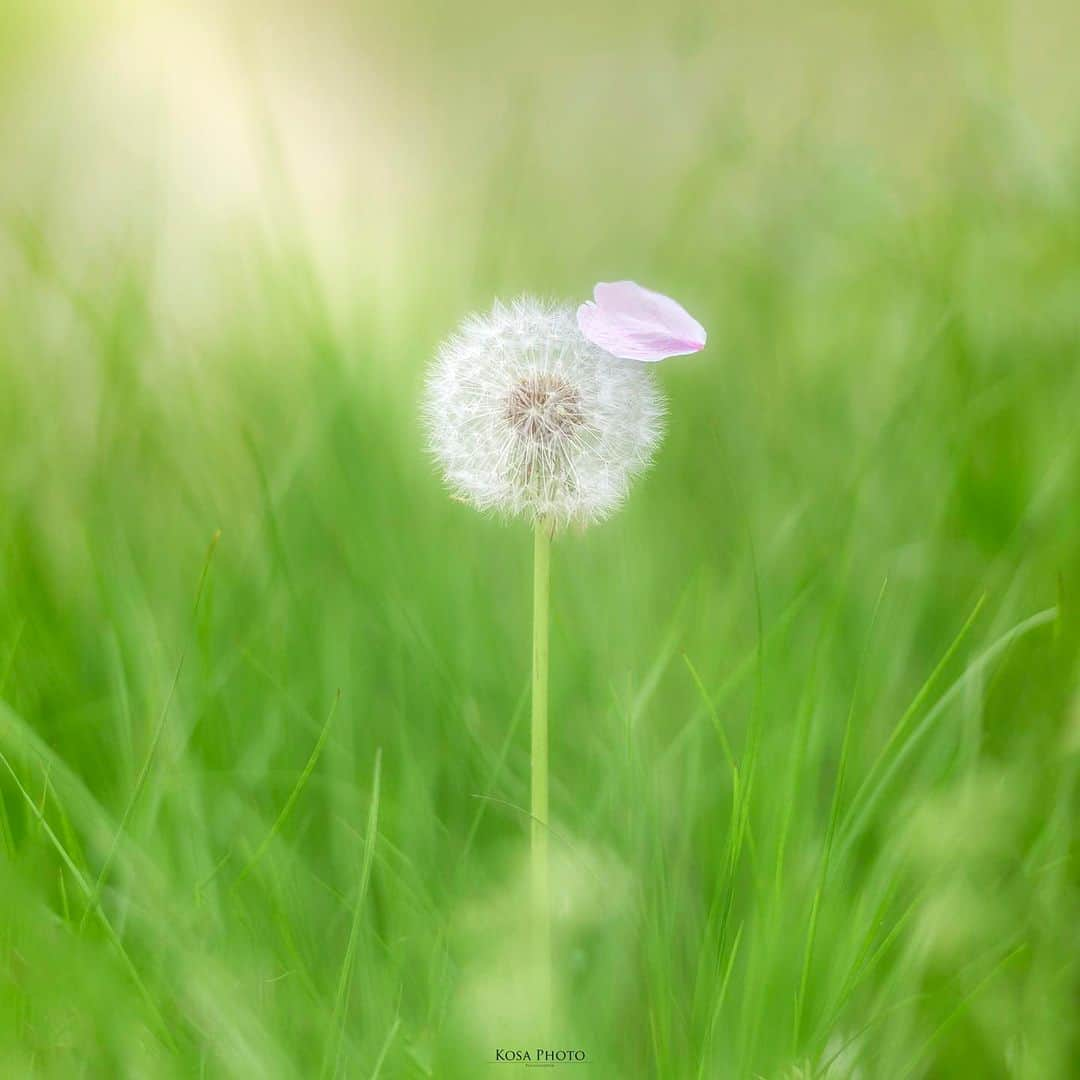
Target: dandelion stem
541, 900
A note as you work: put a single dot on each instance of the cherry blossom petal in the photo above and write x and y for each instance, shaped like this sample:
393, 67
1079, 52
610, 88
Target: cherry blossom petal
635, 323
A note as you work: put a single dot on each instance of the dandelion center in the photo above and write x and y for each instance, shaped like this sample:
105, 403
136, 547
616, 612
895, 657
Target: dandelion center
544, 408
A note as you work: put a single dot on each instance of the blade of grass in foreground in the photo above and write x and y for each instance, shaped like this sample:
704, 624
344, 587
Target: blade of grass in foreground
290, 802
21, 739
144, 772
830, 835
955, 1014
390, 1036
493, 779
107, 926
860, 814
917, 702
866, 961
714, 715
741, 830
332, 1056
6, 834
718, 1005
140, 783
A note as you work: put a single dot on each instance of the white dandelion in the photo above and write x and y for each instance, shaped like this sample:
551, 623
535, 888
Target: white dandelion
545, 413
526, 416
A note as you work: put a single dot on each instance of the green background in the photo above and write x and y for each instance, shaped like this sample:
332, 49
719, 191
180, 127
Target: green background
264, 687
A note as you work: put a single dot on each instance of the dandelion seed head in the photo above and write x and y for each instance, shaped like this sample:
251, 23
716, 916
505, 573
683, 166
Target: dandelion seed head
527, 417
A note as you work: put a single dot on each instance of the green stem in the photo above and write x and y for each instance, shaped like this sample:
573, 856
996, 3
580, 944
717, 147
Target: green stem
541, 900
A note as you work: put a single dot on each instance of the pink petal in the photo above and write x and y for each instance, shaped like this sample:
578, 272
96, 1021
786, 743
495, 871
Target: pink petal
634, 323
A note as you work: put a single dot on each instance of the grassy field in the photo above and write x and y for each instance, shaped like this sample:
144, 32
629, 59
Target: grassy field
264, 687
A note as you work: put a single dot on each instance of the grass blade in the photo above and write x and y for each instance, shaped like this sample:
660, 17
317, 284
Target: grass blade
332, 1058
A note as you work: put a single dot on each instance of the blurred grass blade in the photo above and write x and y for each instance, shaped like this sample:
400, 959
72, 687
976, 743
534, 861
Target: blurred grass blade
861, 814
54, 840
332, 1055
298, 788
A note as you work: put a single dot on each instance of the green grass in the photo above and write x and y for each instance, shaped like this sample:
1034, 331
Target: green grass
815, 723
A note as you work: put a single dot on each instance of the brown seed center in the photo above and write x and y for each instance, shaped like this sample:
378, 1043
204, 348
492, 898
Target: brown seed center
544, 407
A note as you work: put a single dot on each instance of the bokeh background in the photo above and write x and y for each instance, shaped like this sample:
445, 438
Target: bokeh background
264, 687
